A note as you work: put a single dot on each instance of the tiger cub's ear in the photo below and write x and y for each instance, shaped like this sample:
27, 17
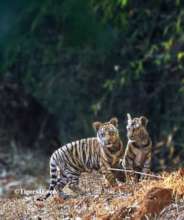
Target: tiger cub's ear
114, 121
96, 125
129, 117
144, 121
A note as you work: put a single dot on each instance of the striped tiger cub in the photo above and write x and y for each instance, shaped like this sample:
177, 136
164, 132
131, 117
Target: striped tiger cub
99, 153
138, 152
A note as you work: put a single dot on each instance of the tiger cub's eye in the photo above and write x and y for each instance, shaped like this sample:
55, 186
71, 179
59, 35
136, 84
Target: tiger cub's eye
111, 133
128, 127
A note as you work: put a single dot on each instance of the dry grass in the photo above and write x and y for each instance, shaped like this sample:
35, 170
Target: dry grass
99, 202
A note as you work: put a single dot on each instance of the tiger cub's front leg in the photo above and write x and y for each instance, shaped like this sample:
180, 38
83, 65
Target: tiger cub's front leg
109, 176
128, 164
147, 167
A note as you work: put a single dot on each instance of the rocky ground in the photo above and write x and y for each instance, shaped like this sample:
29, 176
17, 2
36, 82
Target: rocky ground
160, 198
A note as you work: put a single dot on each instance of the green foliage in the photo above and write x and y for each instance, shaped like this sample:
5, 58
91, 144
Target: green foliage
93, 59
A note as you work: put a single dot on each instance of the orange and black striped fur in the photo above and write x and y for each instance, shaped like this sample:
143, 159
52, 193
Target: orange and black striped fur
98, 153
139, 148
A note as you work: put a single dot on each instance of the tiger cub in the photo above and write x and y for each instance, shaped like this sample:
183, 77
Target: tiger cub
138, 152
99, 153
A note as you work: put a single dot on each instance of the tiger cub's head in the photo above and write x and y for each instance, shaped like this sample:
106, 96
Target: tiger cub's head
107, 132
137, 129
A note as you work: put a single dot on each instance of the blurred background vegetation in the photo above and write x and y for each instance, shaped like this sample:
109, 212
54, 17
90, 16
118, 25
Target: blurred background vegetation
67, 63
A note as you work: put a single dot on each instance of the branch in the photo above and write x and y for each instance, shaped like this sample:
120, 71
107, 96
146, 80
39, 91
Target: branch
132, 171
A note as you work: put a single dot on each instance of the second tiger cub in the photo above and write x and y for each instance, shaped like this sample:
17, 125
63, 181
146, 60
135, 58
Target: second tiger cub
138, 152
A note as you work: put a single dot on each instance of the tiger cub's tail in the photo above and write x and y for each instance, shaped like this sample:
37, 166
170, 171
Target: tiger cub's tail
53, 177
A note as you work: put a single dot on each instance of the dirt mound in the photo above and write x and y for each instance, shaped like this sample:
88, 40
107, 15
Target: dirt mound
154, 201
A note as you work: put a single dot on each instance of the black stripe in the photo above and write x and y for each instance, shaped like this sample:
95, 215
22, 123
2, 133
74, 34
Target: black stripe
53, 183
52, 165
141, 146
47, 195
64, 176
130, 158
56, 156
53, 170
83, 152
53, 176
51, 188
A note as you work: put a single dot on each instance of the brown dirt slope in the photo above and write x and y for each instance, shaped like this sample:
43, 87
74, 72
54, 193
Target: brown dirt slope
149, 199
